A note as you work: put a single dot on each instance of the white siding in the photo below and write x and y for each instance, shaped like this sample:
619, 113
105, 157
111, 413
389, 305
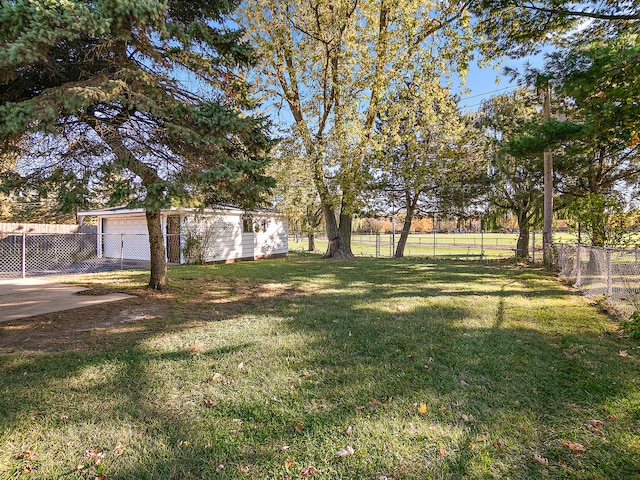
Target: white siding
272, 237
220, 234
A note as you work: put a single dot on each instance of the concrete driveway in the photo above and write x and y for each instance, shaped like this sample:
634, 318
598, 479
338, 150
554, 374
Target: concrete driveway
21, 298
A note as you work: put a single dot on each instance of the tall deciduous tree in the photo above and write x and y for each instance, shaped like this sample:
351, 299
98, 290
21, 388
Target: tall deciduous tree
332, 64
429, 156
114, 85
516, 182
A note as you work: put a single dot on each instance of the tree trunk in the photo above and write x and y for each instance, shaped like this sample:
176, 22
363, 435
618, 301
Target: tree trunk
312, 242
404, 235
338, 234
158, 264
150, 178
522, 247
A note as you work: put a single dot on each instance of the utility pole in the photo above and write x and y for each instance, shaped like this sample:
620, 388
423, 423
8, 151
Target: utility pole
548, 188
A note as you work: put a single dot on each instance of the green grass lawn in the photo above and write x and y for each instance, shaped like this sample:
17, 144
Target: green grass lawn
412, 369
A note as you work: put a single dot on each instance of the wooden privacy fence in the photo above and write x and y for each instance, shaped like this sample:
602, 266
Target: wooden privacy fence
17, 228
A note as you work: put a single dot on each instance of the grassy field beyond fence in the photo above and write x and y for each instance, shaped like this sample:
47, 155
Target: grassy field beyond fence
302, 368
490, 246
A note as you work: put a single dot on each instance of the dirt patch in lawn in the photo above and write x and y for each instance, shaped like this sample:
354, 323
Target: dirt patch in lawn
190, 304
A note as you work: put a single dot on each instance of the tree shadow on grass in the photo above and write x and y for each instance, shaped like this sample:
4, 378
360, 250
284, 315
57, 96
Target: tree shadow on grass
234, 384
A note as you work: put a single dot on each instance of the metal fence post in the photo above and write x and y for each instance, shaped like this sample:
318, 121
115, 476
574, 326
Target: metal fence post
24, 254
533, 250
377, 244
579, 271
122, 251
609, 274
481, 244
434, 239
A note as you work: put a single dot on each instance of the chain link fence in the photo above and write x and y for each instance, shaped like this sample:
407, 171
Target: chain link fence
473, 246
37, 254
609, 273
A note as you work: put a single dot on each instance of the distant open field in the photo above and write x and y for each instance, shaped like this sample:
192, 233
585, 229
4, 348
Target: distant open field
443, 245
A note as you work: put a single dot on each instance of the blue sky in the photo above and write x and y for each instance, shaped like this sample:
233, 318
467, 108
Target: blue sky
482, 84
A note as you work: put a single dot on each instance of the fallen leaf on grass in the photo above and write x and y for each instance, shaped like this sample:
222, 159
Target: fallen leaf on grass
95, 455
288, 463
593, 429
443, 452
300, 427
540, 459
308, 471
119, 448
209, 403
422, 409
240, 365
574, 447
101, 477
284, 448
623, 353
77, 468
29, 455
596, 423
613, 418
349, 430
343, 452
219, 468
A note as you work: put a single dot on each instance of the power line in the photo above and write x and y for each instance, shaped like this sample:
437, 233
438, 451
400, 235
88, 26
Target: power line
491, 91
485, 93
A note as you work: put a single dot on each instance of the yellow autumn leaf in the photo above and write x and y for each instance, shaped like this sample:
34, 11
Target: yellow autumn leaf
422, 409
574, 447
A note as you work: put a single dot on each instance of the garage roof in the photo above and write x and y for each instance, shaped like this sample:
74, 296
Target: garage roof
102, 212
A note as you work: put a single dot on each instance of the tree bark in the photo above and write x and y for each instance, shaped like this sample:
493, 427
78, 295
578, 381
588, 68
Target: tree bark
522, 246
158, 264
149, 177
339, 234
312, 242
404, 235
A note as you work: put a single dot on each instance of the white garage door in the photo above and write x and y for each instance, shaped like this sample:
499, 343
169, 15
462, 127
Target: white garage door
125, 237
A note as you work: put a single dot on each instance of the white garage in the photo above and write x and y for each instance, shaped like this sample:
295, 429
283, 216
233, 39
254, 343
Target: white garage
192, 236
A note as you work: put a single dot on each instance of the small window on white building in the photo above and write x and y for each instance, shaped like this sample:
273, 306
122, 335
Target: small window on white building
247, 224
